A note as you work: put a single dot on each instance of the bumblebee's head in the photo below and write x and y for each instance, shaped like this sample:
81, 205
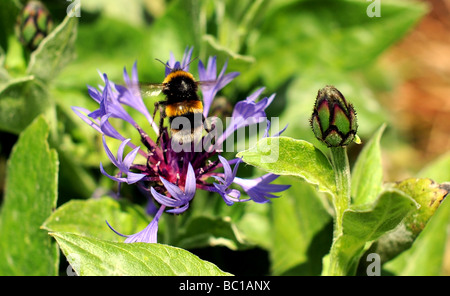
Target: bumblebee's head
180, 85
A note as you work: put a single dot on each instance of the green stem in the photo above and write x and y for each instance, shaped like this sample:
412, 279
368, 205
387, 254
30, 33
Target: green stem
171, 228
342, 175
341, 201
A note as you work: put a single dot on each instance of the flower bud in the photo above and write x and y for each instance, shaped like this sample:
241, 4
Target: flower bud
34, 23
333, 120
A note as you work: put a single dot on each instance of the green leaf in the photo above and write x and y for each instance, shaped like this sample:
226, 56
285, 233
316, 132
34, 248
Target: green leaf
301, 231
362, 225
87, 218
426, 256
89, 256
367, 174
15, 58
429, 196
30, 197
287, 156
386, 212
8, 17
55, 51
21, 100
207, 231
256, 224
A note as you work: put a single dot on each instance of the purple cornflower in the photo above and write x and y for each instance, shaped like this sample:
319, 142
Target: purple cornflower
170, 178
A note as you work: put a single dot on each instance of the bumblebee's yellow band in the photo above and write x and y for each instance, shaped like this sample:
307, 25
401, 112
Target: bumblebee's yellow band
183, 108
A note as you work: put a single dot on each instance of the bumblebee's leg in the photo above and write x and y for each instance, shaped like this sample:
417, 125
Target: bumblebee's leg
162, 114
206, 125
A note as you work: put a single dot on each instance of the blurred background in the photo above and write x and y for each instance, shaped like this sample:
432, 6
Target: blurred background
394, 69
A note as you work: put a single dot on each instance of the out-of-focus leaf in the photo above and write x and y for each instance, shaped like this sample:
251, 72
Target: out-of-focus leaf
301, 231
30, 197
98, 49
367, 174
319, 37
21, 100
175, 30
256, 224
55, 51
438, 170
89, 256
115, 9
8, 13
14, 59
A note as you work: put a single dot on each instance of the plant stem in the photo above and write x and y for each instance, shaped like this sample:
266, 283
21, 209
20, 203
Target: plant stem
171, 228
341, 201
342, 175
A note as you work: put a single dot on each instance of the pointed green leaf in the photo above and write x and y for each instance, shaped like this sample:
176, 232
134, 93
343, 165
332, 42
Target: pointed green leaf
30, 197
426, 256
367, 174
21, 100
287, 156
429, 195
362, 225
89, 256
55, 51
388, 210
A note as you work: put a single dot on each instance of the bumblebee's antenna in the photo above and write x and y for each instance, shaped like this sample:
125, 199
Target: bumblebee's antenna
172, 69
165, 64
191, 61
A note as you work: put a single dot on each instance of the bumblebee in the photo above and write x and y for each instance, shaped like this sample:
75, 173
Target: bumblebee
182, 105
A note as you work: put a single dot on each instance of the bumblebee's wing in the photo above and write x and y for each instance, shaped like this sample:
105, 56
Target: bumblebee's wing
206, 85
145, 89
150, 89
